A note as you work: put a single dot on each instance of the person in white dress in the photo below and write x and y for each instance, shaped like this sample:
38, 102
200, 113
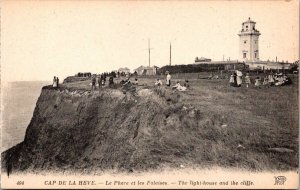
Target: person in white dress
239, 75
179, 87
168, 79
54, 82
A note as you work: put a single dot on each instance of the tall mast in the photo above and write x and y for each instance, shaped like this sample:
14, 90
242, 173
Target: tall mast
170, 53
149, 50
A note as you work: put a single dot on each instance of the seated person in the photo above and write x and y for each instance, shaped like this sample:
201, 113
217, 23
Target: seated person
158, 82
215, 77
122, 82
257, 82
210, 76
127, 81
186, 84
266, 81
179, 87
271, 80
288, 80
280, 81
177, 84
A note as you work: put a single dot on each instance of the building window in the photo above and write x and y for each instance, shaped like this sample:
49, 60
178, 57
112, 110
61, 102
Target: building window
244, 55
245, 41
255, 55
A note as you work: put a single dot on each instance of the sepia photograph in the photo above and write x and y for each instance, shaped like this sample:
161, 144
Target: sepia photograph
149, 94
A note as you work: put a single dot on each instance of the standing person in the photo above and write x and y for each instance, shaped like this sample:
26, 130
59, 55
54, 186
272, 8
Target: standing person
96, 82
99, 81
168, 79
93, 82
111, 81
247, 80
54, 84
239, 75
57, 81
234, 79
231, 80
104, 80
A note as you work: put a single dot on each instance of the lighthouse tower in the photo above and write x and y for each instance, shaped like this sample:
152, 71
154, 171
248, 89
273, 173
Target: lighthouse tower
249, 42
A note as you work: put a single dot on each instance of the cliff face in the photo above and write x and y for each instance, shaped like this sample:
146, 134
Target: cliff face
102, 129
80, 130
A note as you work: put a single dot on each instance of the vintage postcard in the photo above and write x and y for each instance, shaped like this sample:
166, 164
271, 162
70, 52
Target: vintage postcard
149, 94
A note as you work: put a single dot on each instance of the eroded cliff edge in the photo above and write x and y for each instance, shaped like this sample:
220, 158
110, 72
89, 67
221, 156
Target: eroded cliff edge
103, 129
80, 130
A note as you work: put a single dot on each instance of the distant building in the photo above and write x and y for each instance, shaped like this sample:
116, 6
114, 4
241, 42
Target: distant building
267, 65
142, 70
124, 70
248, 50
202, 59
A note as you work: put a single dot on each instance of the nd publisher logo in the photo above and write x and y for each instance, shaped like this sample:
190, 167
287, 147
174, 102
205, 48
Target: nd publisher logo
279, 180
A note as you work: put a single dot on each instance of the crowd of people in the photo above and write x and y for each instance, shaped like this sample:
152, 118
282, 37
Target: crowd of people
177, 86
277, 79
100, 80
236, 79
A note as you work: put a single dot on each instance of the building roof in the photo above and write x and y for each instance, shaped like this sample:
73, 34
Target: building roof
249, 21
145, 67
122, 69
202, 58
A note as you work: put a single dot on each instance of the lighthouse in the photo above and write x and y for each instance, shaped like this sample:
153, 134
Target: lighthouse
248, 51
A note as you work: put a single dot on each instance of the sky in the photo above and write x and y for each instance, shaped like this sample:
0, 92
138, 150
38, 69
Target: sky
42, 39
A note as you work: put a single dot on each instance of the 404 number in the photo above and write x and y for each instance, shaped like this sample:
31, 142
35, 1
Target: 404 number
20, 183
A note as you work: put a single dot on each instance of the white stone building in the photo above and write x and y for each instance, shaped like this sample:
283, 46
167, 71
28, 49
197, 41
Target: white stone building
142, 70
124, 70
248, 51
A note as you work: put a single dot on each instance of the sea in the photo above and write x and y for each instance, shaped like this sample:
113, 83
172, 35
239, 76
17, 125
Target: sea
18, 100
